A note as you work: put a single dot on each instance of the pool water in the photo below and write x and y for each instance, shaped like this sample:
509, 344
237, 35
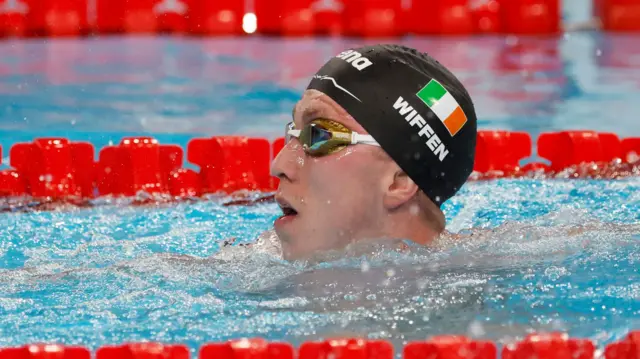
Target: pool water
553, 255
544, 255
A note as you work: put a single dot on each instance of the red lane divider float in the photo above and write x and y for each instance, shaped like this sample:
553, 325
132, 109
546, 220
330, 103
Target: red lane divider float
216, 17
631, 149
531, 16
247, 349
45, 351
54, 169
551, 346
144, 16
143, 351
231, 164
286, 17
487, 17
498, 153
48, 18
452, 17
618, 15
629, 348
588, 153
137, 164
538, 345
565, 149
346, 348
450, 347
366, 18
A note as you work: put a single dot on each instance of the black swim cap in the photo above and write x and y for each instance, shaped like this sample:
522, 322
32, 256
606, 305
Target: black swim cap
416, 109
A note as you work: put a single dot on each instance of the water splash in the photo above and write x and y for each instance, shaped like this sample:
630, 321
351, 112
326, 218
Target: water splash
521, 256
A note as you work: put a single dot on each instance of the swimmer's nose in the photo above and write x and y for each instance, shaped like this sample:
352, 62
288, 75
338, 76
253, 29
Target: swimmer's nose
287, 163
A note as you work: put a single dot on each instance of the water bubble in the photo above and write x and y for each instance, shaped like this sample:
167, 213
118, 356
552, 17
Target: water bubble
476, 329
598, 52
391, 273
554, 273
371, 297
422, 284
365, 267
351, 297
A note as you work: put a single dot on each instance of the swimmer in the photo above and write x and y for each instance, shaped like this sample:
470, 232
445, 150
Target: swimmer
381, 138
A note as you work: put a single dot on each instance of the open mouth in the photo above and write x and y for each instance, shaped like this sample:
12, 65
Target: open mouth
289, 212
287, 209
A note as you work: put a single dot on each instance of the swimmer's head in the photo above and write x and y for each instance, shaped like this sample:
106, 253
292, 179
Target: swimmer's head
412, 127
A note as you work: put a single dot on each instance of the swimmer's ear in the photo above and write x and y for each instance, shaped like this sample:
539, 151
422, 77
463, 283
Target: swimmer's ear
400, 190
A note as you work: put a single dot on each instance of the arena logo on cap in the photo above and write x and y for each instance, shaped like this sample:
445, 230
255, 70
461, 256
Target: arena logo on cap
355, 59
443, 105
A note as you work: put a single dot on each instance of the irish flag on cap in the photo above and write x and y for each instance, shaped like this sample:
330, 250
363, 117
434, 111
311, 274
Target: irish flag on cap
442, 103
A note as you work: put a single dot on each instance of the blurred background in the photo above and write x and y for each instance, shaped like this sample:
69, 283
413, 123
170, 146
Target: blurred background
99, 70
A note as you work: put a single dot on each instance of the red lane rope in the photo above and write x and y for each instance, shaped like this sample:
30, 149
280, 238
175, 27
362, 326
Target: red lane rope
554, 345
362, 18
56, 169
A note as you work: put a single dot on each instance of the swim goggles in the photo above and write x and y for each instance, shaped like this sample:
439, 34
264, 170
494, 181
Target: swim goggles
322, 137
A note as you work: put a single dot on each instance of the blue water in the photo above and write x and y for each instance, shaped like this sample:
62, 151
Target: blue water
544, 255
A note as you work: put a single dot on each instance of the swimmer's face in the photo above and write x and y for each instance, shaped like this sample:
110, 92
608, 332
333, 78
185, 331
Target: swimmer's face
337, 198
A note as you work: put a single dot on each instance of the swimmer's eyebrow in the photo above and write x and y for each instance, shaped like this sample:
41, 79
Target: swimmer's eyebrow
309, 114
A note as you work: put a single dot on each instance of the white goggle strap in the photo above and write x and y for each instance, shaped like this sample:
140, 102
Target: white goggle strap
364, 139
294, 133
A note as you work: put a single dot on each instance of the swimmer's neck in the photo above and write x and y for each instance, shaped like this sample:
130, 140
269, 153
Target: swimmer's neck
413, 228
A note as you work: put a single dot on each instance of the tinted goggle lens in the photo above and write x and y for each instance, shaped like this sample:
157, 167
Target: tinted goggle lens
316, 139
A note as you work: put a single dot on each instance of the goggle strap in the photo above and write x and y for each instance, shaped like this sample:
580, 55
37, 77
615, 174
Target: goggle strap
294, 133
364, 139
